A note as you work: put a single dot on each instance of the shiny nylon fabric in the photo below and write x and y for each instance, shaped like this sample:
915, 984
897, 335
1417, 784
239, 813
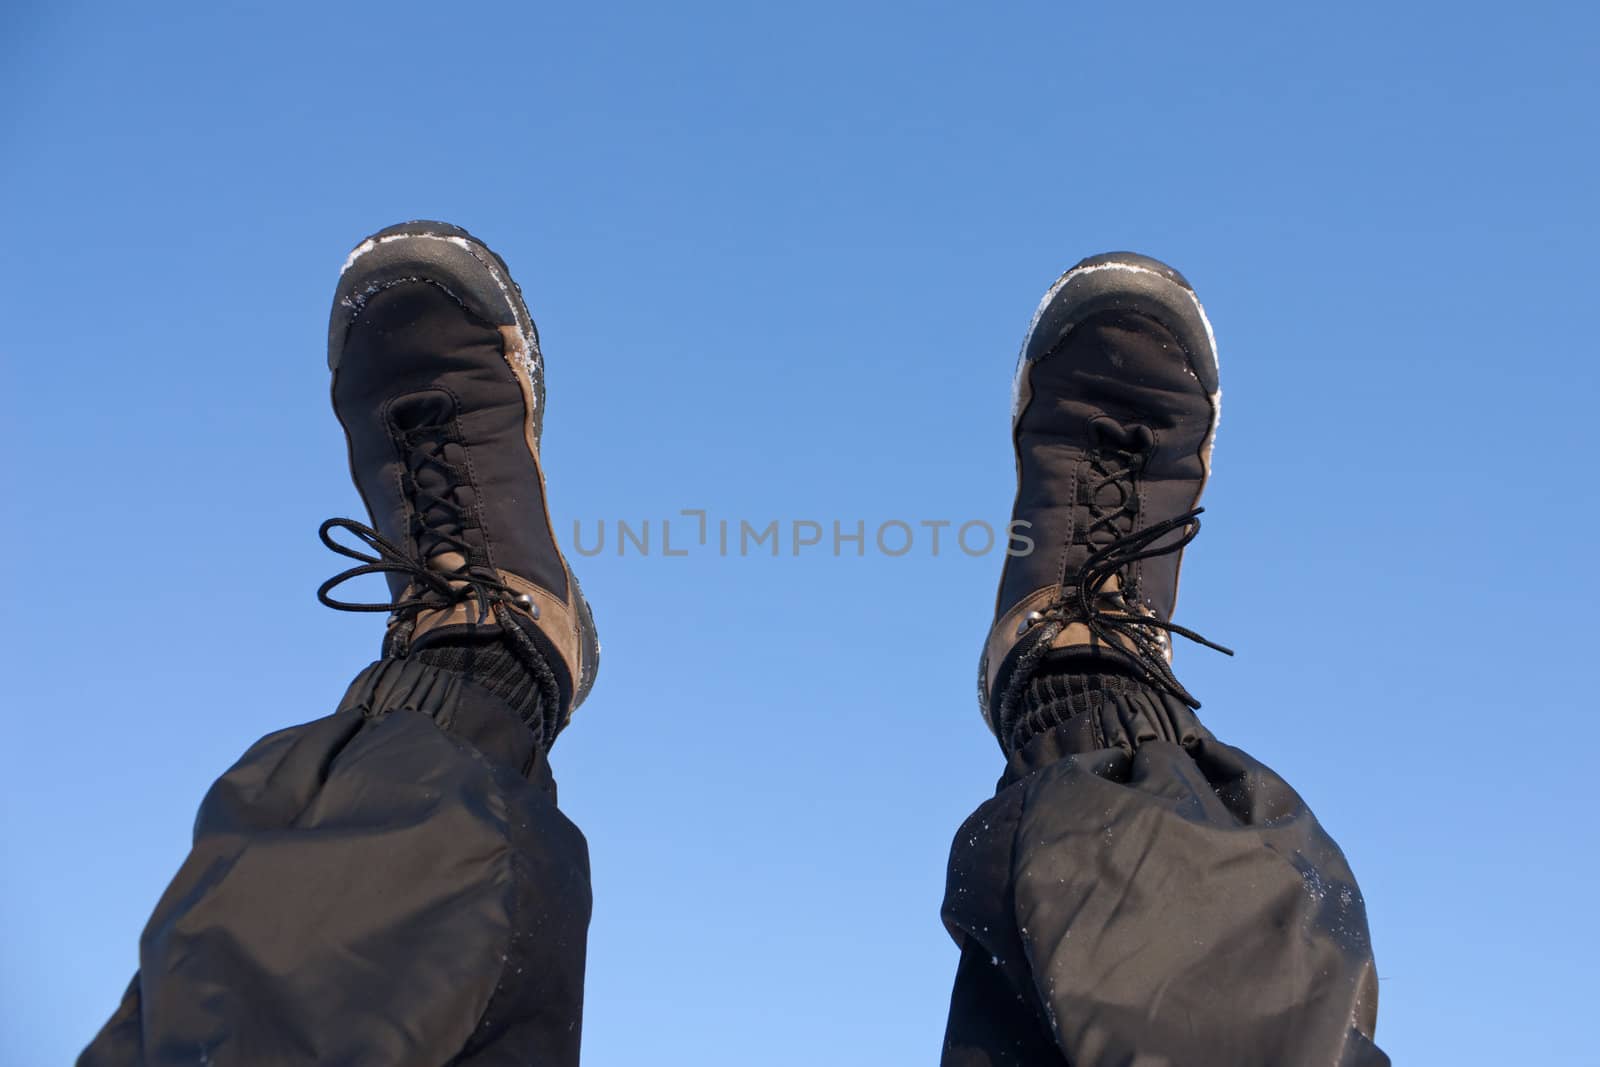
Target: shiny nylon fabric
369, 890
1138, 894
400, 889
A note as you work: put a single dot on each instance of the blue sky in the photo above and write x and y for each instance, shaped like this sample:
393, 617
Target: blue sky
781, 258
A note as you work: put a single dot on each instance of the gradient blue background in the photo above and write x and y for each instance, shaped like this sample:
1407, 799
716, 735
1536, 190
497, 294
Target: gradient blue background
781, 258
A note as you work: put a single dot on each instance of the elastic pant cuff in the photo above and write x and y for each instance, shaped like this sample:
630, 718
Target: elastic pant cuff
456, 703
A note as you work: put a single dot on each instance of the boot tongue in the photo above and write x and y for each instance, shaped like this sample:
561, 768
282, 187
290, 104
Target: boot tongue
1077, 639
458, 621
449, 562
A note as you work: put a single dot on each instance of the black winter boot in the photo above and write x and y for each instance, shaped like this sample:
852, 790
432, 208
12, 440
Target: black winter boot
438, 381
1115, 408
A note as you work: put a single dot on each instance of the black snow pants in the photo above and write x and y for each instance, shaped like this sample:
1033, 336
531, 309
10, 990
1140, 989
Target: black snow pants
393, 885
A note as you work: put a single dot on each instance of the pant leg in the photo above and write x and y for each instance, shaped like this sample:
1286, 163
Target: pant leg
1139, 894
392, 885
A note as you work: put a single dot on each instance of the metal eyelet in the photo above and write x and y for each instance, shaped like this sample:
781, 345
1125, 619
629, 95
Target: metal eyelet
525, 602
1029, 621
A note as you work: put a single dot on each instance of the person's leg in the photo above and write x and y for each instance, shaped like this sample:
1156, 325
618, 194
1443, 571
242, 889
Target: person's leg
393, 884
1136, 892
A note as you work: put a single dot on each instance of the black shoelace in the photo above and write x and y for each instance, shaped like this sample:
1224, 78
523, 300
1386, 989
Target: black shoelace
428, 589
438, 524
1106, 613
1114, 548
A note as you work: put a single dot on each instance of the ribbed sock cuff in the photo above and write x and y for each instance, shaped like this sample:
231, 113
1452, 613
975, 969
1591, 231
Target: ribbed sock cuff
1053, 697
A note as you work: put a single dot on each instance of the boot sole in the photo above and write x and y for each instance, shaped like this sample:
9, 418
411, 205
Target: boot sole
1121, 281
454, 260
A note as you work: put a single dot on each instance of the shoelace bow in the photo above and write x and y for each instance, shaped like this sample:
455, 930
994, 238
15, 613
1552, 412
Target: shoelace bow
1086, 600
1084, 595
428, 589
